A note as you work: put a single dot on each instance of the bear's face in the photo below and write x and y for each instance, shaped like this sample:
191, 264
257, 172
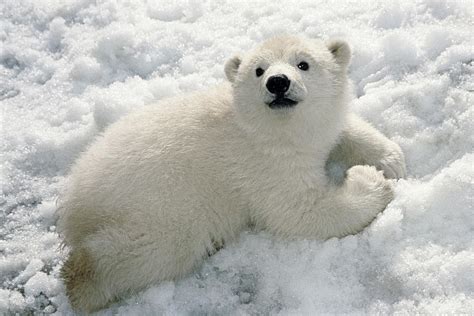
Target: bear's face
288, 75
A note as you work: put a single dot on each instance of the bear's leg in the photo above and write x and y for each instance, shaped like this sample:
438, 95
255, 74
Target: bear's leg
116, 262
81, 288
361, 144
347, 209
338, 210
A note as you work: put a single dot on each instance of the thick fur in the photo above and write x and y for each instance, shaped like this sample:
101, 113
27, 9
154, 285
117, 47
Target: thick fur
160, 188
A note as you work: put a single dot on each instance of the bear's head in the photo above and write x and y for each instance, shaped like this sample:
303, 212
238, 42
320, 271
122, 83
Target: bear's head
290, 79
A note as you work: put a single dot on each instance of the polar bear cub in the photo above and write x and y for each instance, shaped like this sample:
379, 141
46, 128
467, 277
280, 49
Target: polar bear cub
164, 185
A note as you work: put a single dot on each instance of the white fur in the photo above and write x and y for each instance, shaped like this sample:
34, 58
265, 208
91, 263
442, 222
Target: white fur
161, 187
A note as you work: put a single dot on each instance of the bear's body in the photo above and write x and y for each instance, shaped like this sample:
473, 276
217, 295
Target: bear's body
165, 185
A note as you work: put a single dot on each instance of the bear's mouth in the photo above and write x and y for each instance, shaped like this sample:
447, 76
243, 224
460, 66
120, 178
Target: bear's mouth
282, 102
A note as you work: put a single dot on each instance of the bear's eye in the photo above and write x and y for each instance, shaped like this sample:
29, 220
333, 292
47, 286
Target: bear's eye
303, 65
259, 72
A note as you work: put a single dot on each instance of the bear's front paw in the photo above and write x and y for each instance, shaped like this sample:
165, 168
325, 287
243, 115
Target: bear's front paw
369, 186
393, 163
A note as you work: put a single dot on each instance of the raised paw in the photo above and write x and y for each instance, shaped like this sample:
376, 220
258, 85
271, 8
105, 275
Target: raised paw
393, 163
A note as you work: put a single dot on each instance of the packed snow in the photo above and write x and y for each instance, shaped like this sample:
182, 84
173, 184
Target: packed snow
68, 69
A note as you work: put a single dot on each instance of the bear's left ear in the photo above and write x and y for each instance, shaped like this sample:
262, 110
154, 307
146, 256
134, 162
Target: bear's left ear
341, 51
231, 67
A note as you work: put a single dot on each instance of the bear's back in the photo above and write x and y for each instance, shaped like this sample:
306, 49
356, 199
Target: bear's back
157, 154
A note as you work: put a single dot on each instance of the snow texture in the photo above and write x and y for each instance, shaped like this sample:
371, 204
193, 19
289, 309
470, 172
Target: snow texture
70, 68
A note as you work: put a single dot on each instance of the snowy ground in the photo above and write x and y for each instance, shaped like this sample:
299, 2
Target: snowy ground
70, 68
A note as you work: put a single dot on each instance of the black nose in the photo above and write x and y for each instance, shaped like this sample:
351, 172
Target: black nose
278, 84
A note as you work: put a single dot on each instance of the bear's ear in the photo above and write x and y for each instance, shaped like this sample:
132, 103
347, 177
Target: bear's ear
231, 67
341, 51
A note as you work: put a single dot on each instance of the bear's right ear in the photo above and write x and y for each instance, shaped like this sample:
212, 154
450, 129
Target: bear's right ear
231, 67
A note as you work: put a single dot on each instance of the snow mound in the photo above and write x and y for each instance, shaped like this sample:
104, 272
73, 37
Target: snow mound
68, 69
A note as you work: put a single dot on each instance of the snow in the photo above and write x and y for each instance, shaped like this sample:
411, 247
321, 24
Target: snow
68, 69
